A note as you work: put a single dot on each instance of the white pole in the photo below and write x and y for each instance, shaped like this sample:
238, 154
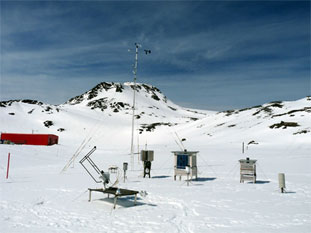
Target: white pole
138, 148
133, 108
188, 172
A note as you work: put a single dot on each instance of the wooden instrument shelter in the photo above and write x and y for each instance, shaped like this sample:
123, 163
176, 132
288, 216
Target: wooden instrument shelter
247, 170
182, 159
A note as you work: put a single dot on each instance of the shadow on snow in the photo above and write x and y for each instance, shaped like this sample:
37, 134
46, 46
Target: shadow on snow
203, 179
160, 177
262, 181
125, 202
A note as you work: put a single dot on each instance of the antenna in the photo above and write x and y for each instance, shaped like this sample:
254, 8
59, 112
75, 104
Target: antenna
137, 46
180, 141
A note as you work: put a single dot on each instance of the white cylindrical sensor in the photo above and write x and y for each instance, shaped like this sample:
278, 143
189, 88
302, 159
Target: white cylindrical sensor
188, 169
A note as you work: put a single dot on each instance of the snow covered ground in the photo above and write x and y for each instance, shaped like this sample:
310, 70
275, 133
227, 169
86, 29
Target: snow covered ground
38, 197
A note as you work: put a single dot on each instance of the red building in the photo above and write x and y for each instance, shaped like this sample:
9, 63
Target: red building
30, 139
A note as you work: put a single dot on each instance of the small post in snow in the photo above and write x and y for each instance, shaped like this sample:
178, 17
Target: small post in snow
282, 182
243, 148
188, 173
124, 171
8, 167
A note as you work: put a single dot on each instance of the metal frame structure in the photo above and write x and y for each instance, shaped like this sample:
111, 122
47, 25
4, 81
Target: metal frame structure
87, 157
103, 175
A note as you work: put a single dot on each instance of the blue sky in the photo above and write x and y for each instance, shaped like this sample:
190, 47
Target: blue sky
213, 55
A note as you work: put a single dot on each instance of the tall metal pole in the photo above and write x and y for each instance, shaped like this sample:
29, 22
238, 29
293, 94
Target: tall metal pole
133, 107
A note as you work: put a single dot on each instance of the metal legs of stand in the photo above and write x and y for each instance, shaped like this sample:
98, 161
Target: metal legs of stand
116, 197
115, 202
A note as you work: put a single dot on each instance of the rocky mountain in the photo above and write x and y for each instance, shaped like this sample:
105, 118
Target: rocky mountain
116, 97
104, 106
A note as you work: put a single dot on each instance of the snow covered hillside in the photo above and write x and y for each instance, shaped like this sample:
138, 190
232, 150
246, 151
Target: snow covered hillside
38, 197
276, 120
94, 112
157, 119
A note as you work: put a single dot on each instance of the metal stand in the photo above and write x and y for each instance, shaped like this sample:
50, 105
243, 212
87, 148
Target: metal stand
147, 168
116, 192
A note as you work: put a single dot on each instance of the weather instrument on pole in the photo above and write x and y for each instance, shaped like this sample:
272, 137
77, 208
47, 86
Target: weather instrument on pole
137, 46
147, 157
124, 170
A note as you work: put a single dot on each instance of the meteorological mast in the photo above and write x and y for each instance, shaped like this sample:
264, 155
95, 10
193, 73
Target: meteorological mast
137, 46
